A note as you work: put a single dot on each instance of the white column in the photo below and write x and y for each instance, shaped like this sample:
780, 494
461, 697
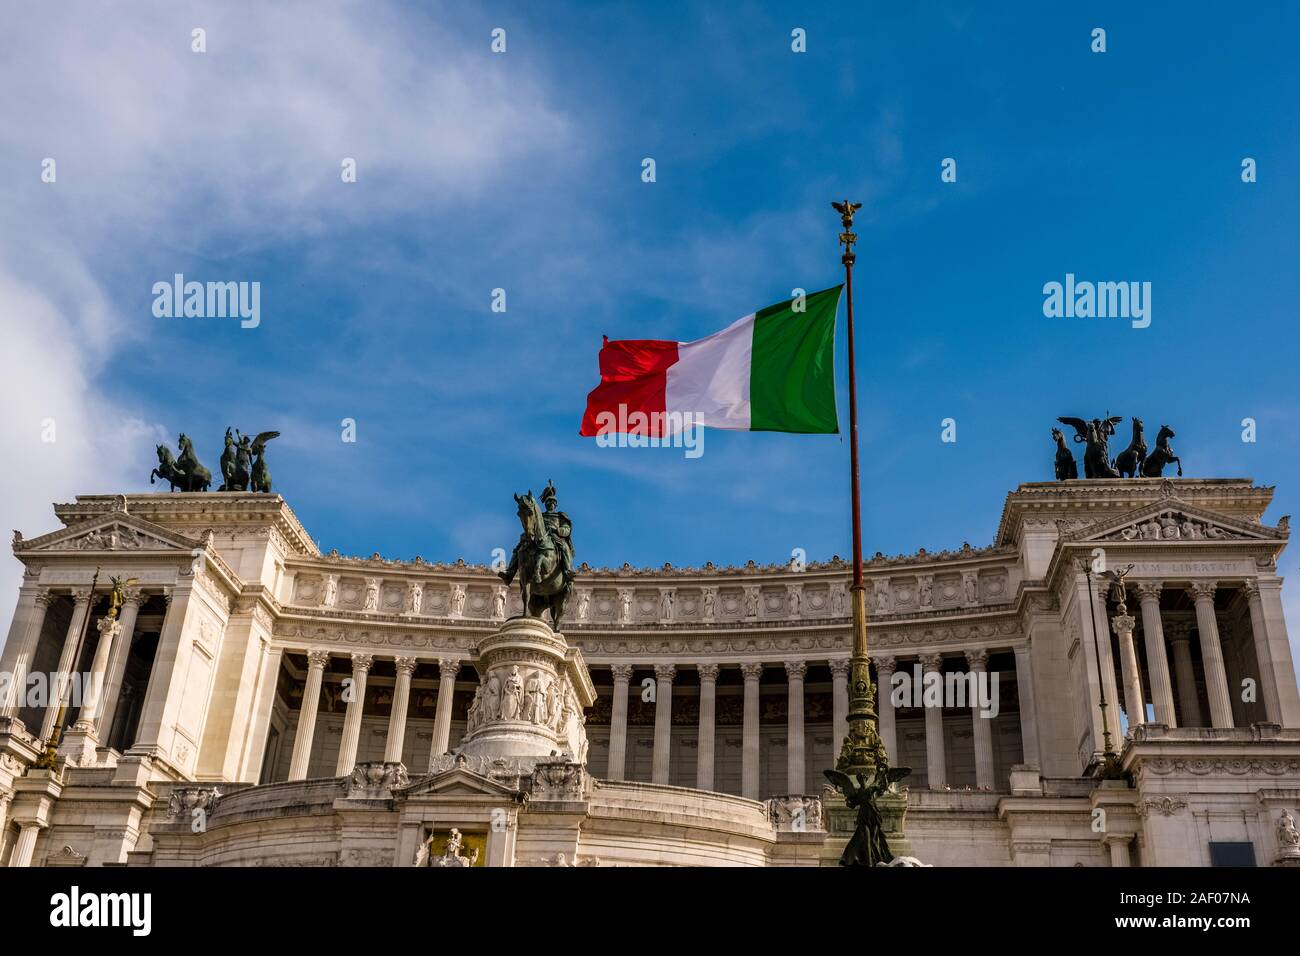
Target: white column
618, 722
796, 775
752, 672
935, 761
840, 703
316, 661
1279, 649
1107, 675
93, 696
447, 671
1153, 633
259, 727
708, 708
117, 664
885, 716
164, 694
25, 845
29, 620
1180, 635
397, 719
1216, 678
1133, 699
981, 727
6, 801
1029, 753
1119, 853
664, 674
1263, 655
82, 598
352, 718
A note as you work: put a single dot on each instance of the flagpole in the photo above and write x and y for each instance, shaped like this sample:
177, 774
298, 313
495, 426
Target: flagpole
863, 751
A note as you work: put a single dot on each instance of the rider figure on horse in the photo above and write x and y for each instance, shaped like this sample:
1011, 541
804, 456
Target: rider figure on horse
560, 529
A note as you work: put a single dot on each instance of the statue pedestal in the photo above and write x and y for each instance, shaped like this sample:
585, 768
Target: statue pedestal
79, 745
532, 691
840, 823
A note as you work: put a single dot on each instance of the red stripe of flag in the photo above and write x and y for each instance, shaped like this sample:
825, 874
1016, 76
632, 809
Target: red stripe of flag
633, 374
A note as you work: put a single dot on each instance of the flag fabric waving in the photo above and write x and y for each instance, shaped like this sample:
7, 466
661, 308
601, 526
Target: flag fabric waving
773, 370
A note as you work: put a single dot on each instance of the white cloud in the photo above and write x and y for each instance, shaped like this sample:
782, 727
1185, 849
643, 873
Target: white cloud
162, 152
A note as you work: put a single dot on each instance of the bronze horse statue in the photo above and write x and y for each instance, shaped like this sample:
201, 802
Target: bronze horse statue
1162, 456
1066, 466
1129, 462
184, 472
542, 582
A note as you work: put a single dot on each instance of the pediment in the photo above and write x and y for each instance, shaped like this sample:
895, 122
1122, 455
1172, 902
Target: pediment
1173, 520
458, 782
116, 531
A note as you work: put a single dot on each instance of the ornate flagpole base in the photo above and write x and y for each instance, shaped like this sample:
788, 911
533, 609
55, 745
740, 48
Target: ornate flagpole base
862, 772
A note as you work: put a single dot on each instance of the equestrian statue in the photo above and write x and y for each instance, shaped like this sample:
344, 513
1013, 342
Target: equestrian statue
183, 472
543, 558
1133, 462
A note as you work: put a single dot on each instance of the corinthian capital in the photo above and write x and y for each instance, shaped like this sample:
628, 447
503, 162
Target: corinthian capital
665, 672
708, 673
621, 672
932, 662
1148, 590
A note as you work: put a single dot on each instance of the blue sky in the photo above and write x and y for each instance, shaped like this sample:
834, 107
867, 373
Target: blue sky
522, 171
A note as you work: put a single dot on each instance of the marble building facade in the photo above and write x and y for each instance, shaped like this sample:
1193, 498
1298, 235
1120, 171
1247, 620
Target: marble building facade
310, 706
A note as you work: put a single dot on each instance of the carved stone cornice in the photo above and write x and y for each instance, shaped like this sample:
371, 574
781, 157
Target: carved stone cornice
1165, 806
1223, 766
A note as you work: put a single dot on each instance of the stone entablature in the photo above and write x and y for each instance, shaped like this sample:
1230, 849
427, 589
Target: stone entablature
1045, 505
224, 512
757, 598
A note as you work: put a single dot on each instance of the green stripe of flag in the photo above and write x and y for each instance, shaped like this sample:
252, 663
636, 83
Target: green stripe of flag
792, 371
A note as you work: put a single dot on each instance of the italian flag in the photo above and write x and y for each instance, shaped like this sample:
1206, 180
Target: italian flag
773, 371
